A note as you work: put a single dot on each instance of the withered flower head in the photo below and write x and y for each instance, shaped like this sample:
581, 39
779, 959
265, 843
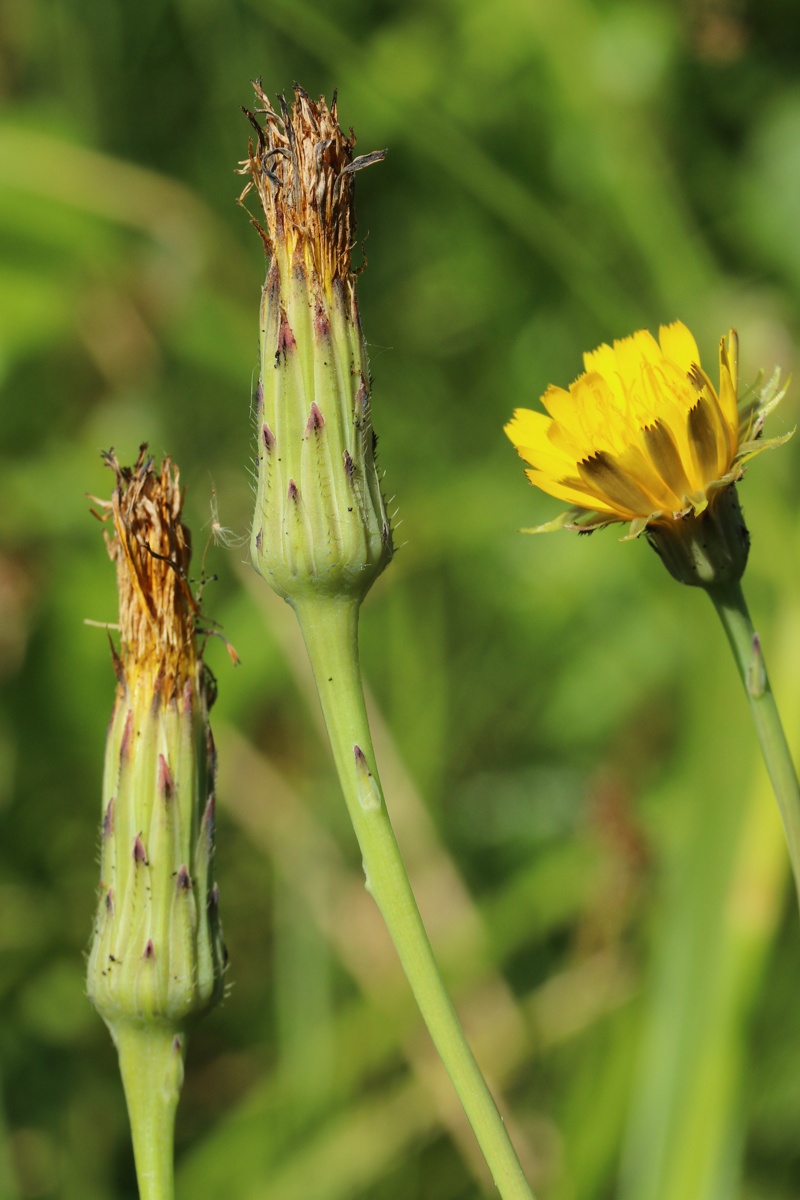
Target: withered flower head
152, 549
303, 169
157, 954
320, 521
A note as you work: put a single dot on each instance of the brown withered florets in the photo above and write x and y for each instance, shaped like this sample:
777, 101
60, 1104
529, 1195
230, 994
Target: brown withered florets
152, 550
302, 167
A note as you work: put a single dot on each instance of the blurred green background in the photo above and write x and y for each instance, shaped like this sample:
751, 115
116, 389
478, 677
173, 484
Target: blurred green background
564, 744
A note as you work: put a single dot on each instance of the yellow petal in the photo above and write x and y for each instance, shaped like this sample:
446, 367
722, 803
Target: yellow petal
526, 427
597, 414
546, 459
529, 431
703, 440
679, 346
561, 407
663, 451
727, 387
700, 380
573, 495
603, 360
618, 489
632, 353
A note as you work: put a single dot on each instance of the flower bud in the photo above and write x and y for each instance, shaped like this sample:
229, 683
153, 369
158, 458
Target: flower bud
320, 521
157, 953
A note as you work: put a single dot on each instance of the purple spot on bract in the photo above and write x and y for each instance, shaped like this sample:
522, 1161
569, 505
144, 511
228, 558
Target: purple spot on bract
359, 756
166, 784
127, 736
293, 490
267, 437
316, 421
349, 465
108, 819
286, 340
149, 950
322, 326
139, 853
259, 538
210, 813
110, 900
184, 879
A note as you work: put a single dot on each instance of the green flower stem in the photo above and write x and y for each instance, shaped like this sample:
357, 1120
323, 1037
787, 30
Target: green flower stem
732, 608
151, 1066
330, 630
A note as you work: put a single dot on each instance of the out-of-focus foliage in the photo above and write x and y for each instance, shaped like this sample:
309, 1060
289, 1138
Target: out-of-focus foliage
564, 746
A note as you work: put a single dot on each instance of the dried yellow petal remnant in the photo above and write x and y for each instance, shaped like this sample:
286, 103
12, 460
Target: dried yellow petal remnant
302, 167
152, 549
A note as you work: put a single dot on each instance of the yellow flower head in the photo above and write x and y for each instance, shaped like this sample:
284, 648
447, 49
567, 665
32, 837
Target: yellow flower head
643, 435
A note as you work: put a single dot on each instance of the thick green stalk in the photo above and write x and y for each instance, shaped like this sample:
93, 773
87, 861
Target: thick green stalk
730, 603
151, 1066
330, 630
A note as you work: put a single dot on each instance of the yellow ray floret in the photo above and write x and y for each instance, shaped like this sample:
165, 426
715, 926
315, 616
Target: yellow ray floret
643, 435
